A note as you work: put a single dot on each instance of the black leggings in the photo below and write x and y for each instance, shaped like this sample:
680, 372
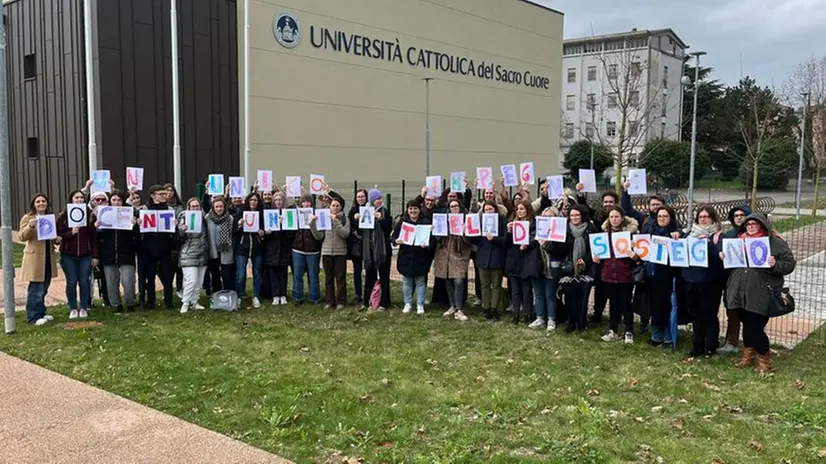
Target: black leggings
703, 305
522, 298
278, 280
619, 298
659, 301
754, 331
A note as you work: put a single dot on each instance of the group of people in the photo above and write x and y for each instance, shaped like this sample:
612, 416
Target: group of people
543, 283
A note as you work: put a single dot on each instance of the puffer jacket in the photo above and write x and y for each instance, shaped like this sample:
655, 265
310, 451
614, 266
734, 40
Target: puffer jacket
194, 248
334, 241
746, 287
619, 271
413, 261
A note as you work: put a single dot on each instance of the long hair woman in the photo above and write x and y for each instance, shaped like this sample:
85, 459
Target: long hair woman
659, 280
118, 249
194, 256
221, 263
334, 254
354, 244
522, 263
618, 278
78, 249
248, 249
39, 261
451, 263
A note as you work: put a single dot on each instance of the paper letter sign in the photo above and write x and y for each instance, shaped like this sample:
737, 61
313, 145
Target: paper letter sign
473, 227
678, 251
290, 220
526, 173
148, 220
265, 181
100, 181
543, 227
46, 227
407, 233
292, 185
758, 251
559, 229
367, 217
323, 221
456, 223
304, 217
484, 178
434, 186
509, 174
422, 235
697, 252
638, 182
734, 253
115, 217
588, 179
440, 225
555, 187
621, 244
194, 221
490, 224
599, 245
316, 184
76, 214
237, 187
642, 245
134, 178
215, 184
659, 250
251, 219
521, 232
166, 221
272, 220
457, 181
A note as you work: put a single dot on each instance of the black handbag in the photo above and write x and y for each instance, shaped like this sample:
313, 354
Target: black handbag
781, 301
639, 273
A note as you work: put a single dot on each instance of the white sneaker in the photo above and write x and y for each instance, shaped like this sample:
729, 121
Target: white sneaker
477, 303
41, 321
73, 314
420, 310
537, 324
551, 325
611, 336
406, 309
381, 308
283, 300
449, 313
255, 303
180, 293
629, 338
184, 309
48, 318
727, 349
196, 305
83, 314
276, 301
460, 316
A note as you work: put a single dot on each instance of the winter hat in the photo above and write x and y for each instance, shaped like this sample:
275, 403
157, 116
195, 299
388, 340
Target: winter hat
374, 194
97, 195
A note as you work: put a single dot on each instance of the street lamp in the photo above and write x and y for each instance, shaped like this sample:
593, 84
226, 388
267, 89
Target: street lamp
592, 107
427, 124
686, 81
805, 95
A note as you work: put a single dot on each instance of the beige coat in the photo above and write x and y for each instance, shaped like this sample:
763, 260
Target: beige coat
450, 264
34, 255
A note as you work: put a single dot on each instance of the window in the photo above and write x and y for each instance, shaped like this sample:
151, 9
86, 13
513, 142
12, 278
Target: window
665, 77
612, 100
570, 102
612, 71
571, 75
569, 130
589, 130
633, 128
592, 73
611, 129
32, 148
591, 101
636, 69
29, 67
635, 98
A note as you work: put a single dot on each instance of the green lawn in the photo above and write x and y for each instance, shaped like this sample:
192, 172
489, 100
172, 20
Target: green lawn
18, 255
719, 184
805, 205
317, 386
790, 223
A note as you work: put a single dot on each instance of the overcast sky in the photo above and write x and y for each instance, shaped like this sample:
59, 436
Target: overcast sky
769, 37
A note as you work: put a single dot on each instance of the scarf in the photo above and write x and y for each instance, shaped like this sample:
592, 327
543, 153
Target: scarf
224, 224
580, 247
698, 230
374, 245
661, 231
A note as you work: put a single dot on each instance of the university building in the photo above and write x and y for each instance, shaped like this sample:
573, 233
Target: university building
337, 88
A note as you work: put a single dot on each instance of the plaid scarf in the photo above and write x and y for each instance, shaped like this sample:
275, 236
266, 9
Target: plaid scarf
224, 223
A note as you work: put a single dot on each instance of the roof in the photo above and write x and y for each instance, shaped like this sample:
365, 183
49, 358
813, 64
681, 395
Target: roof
539, 5
621, 35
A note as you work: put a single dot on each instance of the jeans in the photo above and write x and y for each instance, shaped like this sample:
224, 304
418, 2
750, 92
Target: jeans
120, 276
241, 275
754, 331
309, 263
193, 279
222, 276
659, 306
160, 266
36, 298
491, 288
357, 281
545, 291
418, 283
335, 280
456, 292
78, 272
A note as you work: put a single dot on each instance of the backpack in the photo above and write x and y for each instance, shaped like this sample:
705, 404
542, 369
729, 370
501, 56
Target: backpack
224, 300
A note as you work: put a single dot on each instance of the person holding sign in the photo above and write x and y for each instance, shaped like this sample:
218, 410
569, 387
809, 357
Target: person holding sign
451, 263
306, 257
221, 262
551, 255
413, 261
522, 261
578, 263
704, 280
376, 251
156, 249
117, 252
736, 218
659, 281
39, 261
618, 278
78, 252
492, 247
248, 249
278, 249
748, 290
334, 254
354, 244
193, 254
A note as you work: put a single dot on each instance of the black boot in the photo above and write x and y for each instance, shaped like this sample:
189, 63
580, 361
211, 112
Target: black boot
130, 309
119, 309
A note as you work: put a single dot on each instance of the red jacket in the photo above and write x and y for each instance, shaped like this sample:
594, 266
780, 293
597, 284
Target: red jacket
83, 244
619, 271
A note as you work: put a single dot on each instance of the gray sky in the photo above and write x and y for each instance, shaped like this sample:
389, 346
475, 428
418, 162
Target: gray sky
769, 36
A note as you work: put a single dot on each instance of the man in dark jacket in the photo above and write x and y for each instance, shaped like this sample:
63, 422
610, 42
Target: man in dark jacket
156, 253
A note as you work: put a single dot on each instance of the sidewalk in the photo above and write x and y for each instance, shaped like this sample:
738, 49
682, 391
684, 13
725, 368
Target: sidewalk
46, 417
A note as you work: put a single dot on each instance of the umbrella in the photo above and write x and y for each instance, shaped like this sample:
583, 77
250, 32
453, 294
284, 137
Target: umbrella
674, 321
576, 289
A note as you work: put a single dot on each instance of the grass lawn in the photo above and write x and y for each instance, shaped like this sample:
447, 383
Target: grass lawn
790, 223
719, 184
18, 255
805, 205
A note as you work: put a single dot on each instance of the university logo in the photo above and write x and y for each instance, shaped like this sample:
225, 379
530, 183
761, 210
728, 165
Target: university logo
287, 30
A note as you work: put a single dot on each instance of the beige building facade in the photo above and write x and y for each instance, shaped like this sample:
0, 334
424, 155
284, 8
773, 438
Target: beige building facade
338, 87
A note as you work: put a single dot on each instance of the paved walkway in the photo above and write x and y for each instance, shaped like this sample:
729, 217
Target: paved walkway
46, 417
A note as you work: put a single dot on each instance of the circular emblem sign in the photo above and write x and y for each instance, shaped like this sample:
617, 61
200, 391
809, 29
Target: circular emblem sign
287, 30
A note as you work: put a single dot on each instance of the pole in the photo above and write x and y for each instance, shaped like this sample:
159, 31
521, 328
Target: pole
690, 210
5, 192
90, 87
247, 92
427, 125
800, 161
176, 100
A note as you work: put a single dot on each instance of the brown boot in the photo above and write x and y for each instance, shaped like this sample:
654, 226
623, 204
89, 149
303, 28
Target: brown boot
764, 363
748, 358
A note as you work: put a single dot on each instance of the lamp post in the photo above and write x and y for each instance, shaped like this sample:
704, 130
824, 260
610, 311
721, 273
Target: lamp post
800, 161
427, 124
686, 81
592, 107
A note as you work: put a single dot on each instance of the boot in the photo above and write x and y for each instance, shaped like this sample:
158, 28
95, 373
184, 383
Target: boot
764, 363
748, 358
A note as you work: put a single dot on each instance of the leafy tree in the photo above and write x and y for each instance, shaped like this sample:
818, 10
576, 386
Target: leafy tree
713, 129
579, 157
669, 162
777, 165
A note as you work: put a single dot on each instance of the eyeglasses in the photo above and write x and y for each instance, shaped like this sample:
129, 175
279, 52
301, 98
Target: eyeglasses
664, 217
703, 216
739, 215
100, 200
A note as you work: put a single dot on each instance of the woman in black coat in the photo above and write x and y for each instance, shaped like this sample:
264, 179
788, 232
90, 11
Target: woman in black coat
117, 250
278, 255
354, 244
490, 259
522, 264
413, 261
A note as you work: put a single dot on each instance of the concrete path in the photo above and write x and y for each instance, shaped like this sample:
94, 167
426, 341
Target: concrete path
49, 418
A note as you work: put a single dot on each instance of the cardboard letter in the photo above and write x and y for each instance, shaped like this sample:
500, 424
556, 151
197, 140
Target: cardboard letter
422, 235
440, 225
678, 251
292, 185
272, 220
659, 250
290, 220
148, 220
509, 174
194, 221
46, 227
556, 188
456, 223
599, 245
434, 186
521, 232
588, 179
734, 253
407, 233
166, 221
473, 226
76, 214
251, 219
324, 221
758, 251
367, 217
105, 217
237, 187
484, 178
621, 244
698, 252
215, 184
304, 217
639, 182
457, 181
642, 245
265, 180
100, 181
559, 229
490, 224
526, 173
316, 184
134, 178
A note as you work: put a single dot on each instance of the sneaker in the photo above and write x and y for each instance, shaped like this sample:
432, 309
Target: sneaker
476, 303
41, 321
339, 307
406, 309
48, 318
276, 301
449, 313
255, 303
629, 338
460, 316
197, 305
551, 325
727, 349
73, 314
509, 309
283, 300
184, 309
180, 293
327, 306
83, 314
381, 308
420, 310
611, 336
537, 324
427, 301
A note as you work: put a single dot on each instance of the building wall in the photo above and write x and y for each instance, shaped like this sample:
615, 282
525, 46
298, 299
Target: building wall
353, 117
50, 107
